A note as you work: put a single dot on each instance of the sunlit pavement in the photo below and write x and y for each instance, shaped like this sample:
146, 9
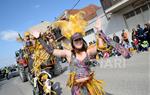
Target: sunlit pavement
127, 77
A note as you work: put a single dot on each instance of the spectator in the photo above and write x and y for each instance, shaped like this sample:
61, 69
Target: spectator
147, 32
140, 32
134, 34
124, 36
134, 39
116, 38
144, 46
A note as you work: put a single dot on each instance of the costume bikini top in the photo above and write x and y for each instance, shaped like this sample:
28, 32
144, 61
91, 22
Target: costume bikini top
81, 68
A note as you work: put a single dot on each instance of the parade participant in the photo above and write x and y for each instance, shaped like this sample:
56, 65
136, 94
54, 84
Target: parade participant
49, 65
6, 72
81, 78
42, 59
44, 83
29, 50
27, 39
102, 47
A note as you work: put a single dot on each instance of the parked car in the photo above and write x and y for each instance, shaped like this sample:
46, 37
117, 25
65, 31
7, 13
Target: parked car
13, 72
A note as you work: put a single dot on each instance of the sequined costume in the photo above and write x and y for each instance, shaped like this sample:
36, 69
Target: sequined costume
81, 69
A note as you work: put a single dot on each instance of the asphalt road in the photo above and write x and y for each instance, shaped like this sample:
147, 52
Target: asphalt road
15, 86
126, 77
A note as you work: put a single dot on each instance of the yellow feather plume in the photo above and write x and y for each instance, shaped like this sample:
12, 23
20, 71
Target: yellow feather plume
75, 24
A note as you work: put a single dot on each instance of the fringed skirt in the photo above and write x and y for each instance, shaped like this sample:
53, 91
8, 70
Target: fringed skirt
90, 87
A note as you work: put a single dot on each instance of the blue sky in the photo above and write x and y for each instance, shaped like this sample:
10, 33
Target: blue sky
19, 15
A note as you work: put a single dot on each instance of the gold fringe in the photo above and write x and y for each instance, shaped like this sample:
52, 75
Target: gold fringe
95, 87
71, 79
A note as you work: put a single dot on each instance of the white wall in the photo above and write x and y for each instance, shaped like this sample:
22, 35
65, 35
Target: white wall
146, 16
90, 37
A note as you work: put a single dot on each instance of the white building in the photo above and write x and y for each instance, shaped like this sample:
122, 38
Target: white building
121, 14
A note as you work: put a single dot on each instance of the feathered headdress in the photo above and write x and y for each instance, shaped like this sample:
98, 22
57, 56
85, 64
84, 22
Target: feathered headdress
76, 24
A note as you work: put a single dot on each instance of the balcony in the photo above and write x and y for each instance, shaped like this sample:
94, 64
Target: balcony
115, 5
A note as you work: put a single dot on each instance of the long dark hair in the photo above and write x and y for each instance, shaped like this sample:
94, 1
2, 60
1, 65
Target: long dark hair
84, 47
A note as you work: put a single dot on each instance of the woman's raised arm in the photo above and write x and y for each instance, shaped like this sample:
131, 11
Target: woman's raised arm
51, 50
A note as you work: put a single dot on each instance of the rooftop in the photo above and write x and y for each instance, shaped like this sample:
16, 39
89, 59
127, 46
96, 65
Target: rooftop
90, 11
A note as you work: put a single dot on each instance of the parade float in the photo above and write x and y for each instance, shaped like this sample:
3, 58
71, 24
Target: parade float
33, 59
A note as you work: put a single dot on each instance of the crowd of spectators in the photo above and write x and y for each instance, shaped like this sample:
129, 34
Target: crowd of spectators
140, 38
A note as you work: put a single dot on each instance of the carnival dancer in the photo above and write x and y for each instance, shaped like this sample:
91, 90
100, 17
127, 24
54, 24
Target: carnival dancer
81, 78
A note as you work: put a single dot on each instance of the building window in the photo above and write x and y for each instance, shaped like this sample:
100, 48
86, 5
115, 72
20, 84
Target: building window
129, 14
138, 11
89, 32
126, 16
144, 8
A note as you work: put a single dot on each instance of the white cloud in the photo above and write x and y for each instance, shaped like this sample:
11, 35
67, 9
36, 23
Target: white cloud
37, 6
9, 35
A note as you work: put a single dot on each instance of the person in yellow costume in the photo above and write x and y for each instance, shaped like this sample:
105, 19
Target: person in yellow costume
81, 78
102, 47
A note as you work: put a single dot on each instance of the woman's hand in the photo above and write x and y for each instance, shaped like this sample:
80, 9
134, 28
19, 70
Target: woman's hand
35, 33
82, 80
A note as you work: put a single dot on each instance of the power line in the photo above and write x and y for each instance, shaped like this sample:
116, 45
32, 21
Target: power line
72, 7
75, 5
